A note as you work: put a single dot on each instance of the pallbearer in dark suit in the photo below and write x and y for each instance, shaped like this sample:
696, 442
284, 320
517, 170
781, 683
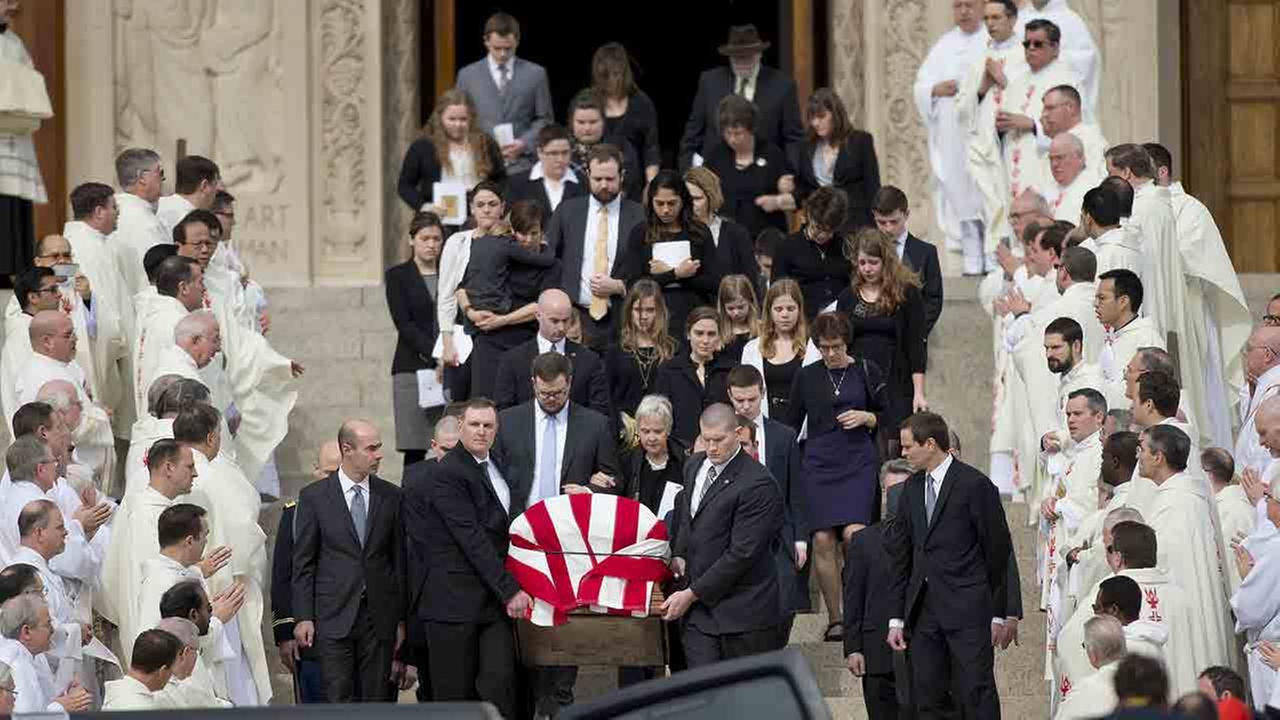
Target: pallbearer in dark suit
348, 570
550, 181
891, 214
727, 520
949, 549
470, 597
549, 446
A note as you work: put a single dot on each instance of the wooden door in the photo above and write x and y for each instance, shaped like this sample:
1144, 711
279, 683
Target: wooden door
1231, 88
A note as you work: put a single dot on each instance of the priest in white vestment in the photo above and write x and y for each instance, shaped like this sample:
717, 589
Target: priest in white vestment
1095, 695
1181, 515
1086, 560
1062, 113
140, 175
956, 199
197, 181
1028, 167
134, 535
43, 538
37, 292
1067, 165
94, 208
1257, 601
180, 290
983, 95
1235, 512
184, 690
1078, 48
1102, 216
1117, 302
155, 653
24, 644
1262, 369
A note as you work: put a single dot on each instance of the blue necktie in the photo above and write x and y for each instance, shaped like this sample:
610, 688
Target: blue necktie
358, 513
548, 483
930, 498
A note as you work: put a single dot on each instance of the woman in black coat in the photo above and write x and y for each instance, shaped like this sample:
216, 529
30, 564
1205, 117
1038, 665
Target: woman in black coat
630, 117
752, 172
735, 247
695, 378
411, 298
657, 459
452, 149
835, 154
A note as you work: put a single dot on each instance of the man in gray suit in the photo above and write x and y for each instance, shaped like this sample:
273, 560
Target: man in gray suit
506, 89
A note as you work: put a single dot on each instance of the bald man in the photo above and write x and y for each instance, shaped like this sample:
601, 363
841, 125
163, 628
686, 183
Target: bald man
348, 541
728, 516
303, 663
514, 383
1262, 370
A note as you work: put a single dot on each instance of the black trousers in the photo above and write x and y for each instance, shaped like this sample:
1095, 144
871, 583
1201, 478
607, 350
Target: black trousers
702, 649
471, 661
936, 653
355, 668
880, 693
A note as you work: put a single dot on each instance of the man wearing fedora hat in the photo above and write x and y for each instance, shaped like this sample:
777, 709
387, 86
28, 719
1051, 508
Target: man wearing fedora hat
774, 94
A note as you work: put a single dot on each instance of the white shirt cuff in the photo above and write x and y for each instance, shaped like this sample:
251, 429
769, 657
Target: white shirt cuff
997, 621
896, 624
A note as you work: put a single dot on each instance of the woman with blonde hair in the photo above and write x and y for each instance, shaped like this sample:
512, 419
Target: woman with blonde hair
783, 346
645, 343
735, 248
739, 315
886, 310
452, 148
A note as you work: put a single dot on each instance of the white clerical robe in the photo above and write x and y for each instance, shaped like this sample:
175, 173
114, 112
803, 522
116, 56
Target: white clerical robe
1249, 452
1119, 345
113, 310
159, 573
1164, 603
1163, 285
1094, 696
1028, 167
188, 693
82, 321
155, 336
94, 439
1068, 199
14, 357
64, 653
1237, 516
1091, 562
81, 558
128, 693
170, 210
1146, 638
232, 502
1257, 608
1218, 320
955, 196
1182, 515
1078, 47
1095, 154
134, 539
32, 679
137, 231
983, 152
1119, 249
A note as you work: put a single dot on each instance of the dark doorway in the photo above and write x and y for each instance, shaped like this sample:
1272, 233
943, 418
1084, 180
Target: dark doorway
670, 41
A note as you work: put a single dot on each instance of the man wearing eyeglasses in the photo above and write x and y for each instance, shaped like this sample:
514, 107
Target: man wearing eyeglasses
36, 290
1262, 370
138, 229
27, 631
1078, 48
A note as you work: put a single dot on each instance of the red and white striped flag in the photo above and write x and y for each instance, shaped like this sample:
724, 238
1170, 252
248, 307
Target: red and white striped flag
597, 550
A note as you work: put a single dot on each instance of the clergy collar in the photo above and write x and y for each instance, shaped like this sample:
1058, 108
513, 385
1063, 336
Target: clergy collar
1005, 44
1130, 326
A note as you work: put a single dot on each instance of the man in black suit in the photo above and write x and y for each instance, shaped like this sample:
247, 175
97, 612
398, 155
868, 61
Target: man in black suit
588, 235
549, 446
470, 597
776, 447
727, 520
514, 382
891, 212
949, 550
348, 570
773, 92
550, 181
303, 664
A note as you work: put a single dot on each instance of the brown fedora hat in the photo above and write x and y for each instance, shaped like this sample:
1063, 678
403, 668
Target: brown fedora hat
743, 39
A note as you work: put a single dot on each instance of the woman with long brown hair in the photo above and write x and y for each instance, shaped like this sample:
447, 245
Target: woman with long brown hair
783, 346
645, 343
452, 148
629, 114
886, 310
697, 377
835, 154
739, 314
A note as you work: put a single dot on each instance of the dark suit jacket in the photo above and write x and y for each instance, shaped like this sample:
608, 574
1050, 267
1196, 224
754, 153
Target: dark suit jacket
782, 460
282, 582
514, 383
414, 314
678, 381
417, 501
331, 571
728, 547
520, 187
566, 234
465, 538
588, 448
923, 258
736, 255
857, 173
963, 553
777, 111
867, 607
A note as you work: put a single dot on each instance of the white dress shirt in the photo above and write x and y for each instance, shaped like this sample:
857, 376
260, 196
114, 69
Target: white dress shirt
555, 189
546, 346
496, 74
348, 494
499, 483
540, 426
701, 479
900, 244
589, 243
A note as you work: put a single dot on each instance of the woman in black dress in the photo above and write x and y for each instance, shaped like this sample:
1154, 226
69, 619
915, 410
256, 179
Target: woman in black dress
739, 315
411, 298
644, 344
735, 248
452, 148
695, 379
630, 116
782, 348
750, 170
814, 257
842, 400
693, 280
886, 310
835, 154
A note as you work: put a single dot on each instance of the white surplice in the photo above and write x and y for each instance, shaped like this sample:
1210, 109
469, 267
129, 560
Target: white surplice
146, 431
1118, 348
1249, 452
1218, 320
14, 357
1119, 249
1028, 167
73, 306
1257, 607
955, 196
134, 539
1094, 696
64, 653
170, 209
137, 231
1078, 48
158, 316
1237, 516
94, 439
1067, 199
32, 679
1163, 283
128, 693
1091, 562
188, 693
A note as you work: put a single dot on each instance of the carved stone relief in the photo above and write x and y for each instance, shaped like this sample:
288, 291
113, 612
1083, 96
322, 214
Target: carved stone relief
400, 121
848, 59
